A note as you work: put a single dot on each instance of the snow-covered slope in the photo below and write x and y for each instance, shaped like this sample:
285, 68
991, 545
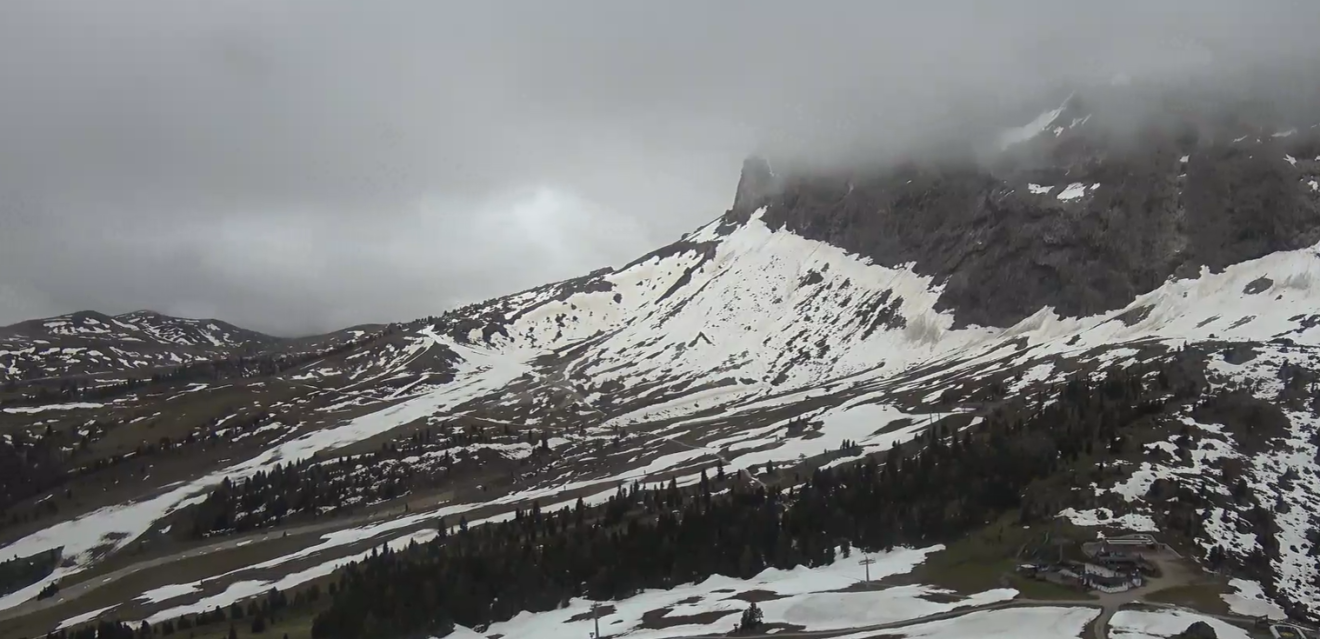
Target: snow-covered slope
720, 348
752, 311
810, 599
90, 343
819, 320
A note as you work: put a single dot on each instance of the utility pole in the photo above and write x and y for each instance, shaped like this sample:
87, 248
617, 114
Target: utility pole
867, 562
595, 619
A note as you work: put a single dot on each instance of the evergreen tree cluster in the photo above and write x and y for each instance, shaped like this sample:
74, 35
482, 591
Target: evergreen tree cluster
255, 617
99, 630
425, 459
30, 465
944, 486
310, 488
35, 463
751, 618
20, 572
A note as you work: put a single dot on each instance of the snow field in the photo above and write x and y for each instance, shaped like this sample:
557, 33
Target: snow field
1249, 600
806, 599
1044, 622
1140, 624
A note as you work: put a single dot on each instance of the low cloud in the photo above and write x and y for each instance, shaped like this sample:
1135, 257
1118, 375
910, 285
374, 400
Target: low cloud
296, 165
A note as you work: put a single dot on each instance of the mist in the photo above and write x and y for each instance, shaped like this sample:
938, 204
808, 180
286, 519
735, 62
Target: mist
298, 166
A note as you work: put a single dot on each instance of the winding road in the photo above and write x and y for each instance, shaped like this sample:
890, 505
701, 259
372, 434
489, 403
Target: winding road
82, 588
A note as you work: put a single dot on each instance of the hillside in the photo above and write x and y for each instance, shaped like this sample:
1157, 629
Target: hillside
1088, 332
89, 344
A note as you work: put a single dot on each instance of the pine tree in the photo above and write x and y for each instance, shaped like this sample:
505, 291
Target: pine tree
752, 618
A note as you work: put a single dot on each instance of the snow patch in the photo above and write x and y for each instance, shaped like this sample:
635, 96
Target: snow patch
1031, 129
1105, 517
808, 597
1037, 622
1074, 191
1142, 624
1249, 600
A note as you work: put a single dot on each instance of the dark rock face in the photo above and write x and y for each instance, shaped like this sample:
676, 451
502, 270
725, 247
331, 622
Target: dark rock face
1120, 217
754, 185
1258, 286
1198, 630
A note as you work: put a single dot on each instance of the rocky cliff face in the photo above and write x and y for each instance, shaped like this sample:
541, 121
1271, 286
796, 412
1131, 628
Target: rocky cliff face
1073, 215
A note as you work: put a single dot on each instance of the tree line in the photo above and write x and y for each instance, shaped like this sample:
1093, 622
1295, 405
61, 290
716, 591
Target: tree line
316, 487
256, 618
32, 463
21, 572
663, 536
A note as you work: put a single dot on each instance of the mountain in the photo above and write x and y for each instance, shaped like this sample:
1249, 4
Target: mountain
90, 343
1088, 329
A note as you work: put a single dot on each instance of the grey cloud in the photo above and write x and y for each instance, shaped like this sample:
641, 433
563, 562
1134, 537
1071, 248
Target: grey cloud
297, 165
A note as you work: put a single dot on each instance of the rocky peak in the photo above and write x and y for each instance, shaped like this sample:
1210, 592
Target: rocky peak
755, 185
1073, 217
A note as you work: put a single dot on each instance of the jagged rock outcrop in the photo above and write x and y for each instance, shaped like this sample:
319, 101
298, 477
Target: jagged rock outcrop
1076, 217
1198, 630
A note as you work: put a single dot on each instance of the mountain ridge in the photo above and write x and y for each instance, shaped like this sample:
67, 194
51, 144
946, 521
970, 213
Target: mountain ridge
771, 342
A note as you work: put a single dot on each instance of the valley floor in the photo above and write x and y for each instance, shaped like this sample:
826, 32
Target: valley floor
827, 602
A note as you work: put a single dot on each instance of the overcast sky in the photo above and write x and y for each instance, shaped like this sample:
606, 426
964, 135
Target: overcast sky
298, 166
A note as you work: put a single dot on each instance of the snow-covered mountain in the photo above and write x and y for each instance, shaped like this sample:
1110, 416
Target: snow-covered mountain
822, 319
90, 343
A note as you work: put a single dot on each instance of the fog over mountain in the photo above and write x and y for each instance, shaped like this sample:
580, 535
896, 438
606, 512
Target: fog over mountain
297, 166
